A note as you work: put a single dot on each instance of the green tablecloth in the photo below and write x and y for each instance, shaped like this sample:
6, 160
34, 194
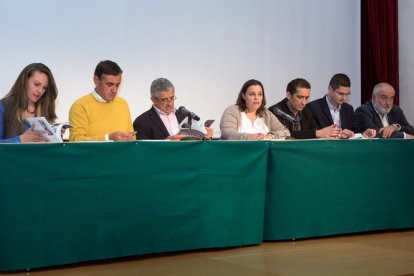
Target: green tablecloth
325, 187
67, 203
74, 202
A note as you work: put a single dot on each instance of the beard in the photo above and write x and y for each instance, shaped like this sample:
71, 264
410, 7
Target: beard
382, 110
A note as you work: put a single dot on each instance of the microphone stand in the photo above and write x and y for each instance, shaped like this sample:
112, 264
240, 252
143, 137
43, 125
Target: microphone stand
190, 124
284, 124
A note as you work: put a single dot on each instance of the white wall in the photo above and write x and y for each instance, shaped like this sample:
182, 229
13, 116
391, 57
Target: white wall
406, 42
208, 49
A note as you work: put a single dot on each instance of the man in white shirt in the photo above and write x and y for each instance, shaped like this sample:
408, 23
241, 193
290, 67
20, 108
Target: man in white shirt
162, 120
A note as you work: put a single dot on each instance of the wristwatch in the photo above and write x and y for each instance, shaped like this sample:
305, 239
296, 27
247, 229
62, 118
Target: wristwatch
397, 126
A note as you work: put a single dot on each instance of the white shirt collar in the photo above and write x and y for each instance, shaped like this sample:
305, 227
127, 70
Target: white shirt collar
98, 97
331, 106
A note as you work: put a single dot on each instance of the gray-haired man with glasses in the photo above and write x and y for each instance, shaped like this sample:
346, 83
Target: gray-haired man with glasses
161, 121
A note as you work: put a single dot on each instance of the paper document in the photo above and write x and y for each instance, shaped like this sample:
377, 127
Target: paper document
50, 132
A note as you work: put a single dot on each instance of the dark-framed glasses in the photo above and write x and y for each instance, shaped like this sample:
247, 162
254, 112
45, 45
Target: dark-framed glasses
167, 100
342, 94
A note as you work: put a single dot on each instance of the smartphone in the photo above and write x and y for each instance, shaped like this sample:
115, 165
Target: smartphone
133, 132
208, 123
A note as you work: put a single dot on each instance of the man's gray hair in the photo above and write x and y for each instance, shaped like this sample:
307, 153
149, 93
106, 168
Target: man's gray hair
379, 86
376, 88
160, 85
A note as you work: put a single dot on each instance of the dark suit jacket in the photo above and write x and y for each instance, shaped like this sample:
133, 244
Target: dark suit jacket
323, 118
366, 117
149, 125
308, 124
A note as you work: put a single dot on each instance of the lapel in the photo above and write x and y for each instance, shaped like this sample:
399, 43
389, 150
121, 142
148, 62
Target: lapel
157, 122
346, 116
325, 110
377, 118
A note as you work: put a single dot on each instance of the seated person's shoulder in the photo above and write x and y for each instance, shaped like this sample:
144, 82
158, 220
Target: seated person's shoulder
272, 107
276, 105
316, 104
231, 109
347, 105
120, 100
143, 116
397, 108
306, 111
84, 100
363, 108
312, 105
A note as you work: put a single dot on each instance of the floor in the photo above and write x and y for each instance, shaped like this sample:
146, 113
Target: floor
389, 253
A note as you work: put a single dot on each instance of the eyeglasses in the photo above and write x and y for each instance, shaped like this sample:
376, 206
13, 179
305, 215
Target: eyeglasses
167, 100
342, 94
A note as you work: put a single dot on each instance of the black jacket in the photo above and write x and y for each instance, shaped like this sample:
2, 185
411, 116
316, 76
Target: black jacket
149, 125
308, 125
322, 115
366, 117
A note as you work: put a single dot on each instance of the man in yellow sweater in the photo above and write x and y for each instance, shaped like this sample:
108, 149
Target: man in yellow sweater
101, 115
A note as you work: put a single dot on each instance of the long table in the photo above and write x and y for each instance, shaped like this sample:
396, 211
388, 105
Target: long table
74, 202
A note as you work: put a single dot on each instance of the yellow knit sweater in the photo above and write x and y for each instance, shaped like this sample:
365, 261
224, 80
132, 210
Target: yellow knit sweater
91, 119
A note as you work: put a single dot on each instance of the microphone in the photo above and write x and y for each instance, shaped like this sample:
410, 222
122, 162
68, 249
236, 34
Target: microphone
185, 112
285, 116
